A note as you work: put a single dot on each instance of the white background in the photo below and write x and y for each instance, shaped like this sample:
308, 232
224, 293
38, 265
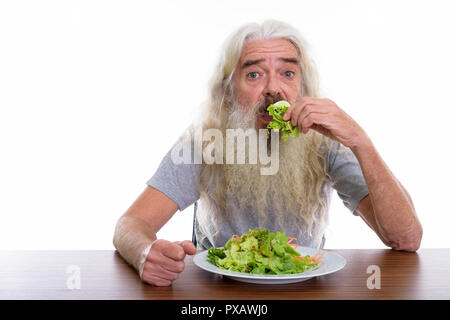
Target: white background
93, 94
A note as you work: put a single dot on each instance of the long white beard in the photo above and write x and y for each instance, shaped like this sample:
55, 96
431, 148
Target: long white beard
288, 192
238, 118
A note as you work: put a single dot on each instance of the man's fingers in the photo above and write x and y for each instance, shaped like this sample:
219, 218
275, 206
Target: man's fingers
317, 122
174, 266
167, 263
287, 114
160, 271
154, 279
308, 121
188, 247
299, 104
154, 274
173, 251
296, 113
316, 108
296, 110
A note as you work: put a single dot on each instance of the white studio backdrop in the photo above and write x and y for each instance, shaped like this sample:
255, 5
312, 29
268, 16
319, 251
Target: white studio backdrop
94, 93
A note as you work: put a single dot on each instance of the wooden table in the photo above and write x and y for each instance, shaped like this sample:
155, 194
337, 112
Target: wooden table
104, 275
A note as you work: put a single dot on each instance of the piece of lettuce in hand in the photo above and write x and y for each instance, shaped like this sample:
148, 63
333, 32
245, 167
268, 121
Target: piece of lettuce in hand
277, 111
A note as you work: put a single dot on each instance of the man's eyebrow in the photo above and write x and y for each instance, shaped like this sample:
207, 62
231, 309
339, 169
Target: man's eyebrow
291, 60
249, 63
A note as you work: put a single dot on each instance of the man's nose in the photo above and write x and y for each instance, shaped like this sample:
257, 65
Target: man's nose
272, 88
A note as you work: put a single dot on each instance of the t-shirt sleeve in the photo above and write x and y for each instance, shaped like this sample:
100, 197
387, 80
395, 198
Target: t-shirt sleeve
179, 181
346, 176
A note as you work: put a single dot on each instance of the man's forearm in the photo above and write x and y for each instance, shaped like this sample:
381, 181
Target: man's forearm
131, 236
393, 209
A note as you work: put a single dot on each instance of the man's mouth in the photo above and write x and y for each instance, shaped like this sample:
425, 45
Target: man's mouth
263, 114
266, 117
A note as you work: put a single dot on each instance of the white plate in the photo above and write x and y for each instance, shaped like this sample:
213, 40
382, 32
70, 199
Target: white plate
330, 262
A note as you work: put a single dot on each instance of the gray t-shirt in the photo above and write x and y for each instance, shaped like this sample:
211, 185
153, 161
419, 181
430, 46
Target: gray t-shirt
180, 182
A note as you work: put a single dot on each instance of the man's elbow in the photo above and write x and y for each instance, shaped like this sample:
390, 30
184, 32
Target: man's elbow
410, 246
409, 243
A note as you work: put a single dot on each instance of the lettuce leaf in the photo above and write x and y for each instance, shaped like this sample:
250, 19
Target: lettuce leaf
277, 111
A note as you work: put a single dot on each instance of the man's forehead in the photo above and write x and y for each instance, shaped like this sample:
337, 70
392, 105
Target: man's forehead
272, 48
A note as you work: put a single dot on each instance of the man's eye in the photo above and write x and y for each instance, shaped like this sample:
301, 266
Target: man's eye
253, 75
289, 74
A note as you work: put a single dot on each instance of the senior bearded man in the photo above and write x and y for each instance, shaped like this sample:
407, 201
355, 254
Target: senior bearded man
262, 64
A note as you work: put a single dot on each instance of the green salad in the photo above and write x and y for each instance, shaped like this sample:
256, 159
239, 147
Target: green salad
261, 252
277, 111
